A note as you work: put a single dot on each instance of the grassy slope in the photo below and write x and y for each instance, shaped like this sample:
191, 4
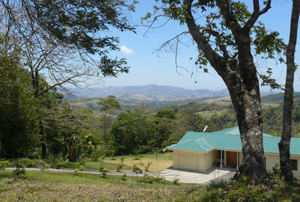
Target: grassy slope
46, 186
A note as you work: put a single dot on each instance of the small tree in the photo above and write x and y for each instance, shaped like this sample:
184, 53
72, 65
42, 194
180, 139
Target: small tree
108, 105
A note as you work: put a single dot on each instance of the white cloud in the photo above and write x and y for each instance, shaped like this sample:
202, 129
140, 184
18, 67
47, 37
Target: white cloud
126, 50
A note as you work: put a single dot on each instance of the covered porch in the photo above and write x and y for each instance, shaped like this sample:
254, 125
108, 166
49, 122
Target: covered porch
228, 159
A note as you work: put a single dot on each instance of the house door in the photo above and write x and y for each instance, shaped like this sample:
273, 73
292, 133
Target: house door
231, 158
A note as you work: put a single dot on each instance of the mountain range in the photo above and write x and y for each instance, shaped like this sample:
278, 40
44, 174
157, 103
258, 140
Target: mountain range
150, 92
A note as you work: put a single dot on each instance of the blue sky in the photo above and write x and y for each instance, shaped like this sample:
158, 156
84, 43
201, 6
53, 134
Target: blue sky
147, 67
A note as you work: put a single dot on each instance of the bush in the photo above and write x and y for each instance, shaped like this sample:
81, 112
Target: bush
147, 166
103, 171
19, 172
146, 179
60, 165
176, 181
221, 184
136, 169
76, 172
82, 168
124, 177
3, 164
120, 166
27, 163
44, 166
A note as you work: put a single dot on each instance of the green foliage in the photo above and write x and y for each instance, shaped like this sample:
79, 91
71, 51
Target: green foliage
109, 104
18, 109
147, 166
120, 167
136, 169
103, 172
134, 132
19, 172
25, 162
44, 166
146, 179
169, 114
76, 172
124, 177
3, 164
82, 168
176, 181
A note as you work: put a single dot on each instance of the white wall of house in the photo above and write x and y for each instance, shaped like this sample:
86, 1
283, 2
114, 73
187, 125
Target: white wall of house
191, 160
273, 159
203, 161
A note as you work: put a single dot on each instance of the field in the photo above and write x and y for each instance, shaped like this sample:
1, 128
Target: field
46, 186
158, 161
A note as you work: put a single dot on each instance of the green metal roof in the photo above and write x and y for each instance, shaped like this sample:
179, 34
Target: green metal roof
227, 139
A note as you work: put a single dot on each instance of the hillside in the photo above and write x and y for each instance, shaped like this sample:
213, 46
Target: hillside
145, 93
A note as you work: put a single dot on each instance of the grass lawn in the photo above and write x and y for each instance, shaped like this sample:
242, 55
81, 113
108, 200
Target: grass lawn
47, 186
159, 161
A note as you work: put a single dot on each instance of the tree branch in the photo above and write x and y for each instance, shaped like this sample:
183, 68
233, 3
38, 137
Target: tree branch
217, 61
231, 21
255, 15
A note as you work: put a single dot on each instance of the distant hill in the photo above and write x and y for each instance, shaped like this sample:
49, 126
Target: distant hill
145, 93
276, 98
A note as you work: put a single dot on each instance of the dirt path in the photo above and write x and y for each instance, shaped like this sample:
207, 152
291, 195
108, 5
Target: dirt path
128, 172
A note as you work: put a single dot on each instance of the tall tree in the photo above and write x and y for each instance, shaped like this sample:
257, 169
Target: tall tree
224, 40
53, 33
18, 117
80, 25
108, 105
284, 144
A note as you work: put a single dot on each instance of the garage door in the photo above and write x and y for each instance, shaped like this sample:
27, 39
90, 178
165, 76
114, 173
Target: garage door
188, 161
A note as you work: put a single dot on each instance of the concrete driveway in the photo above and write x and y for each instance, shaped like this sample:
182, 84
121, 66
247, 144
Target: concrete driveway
197, 177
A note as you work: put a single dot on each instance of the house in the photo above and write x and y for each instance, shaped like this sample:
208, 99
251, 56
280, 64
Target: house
202, 151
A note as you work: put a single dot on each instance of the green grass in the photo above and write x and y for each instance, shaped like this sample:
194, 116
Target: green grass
83, 178
47, 186
158, 161
90, 165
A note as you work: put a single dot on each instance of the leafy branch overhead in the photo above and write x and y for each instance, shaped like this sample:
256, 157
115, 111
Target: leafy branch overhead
83, 26
219, 23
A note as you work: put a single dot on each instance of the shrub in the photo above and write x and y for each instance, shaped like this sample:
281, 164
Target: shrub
3, 164
120, 166
221, 184
60, 165
147, 166
19, 172
76, 172
146, 179
103, 171
82, 168
124, 177
136, 169
44, 166
176, 181
27, 163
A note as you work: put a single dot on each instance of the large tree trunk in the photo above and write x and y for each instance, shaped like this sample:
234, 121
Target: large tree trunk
284, 144
240, 77
245, 97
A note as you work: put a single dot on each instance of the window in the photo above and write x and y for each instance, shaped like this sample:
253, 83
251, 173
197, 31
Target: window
294, 164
